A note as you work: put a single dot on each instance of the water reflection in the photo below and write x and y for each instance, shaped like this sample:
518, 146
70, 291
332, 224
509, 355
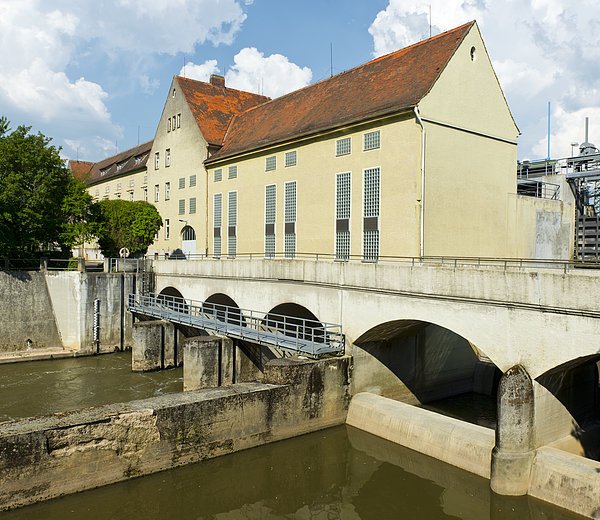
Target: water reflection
42, 387
340, 473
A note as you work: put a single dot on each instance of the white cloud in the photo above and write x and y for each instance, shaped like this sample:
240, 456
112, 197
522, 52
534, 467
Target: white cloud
272, 75
405, 22
200, 72
541, 49
41, 40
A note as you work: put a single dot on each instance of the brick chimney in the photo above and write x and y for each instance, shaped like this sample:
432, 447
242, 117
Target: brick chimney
217, 80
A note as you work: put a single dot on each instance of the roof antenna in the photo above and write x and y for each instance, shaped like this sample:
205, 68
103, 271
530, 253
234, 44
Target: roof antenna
548, 157
430, 20
331, 58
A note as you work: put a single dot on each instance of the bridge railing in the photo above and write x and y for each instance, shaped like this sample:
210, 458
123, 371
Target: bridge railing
300, 335
452, 261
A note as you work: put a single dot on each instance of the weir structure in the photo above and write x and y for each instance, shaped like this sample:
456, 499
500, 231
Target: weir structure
522, 333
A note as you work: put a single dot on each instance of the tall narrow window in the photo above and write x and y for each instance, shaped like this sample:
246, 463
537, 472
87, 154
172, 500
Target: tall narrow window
270, 216
182, 206
218, 175
156, 160
342, 216
145, 194
178, 120
233, 172
181, 183
169, 125
232, 224
371, 215
192, 181
156, 193
217, 223
167, 190
289, 244
167, 229
192, 205
168, 157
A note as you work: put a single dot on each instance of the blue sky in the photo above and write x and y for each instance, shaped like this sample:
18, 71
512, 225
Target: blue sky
90, 73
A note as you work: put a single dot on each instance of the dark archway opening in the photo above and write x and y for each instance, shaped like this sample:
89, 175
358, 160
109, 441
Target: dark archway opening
295, 320
573, 405
224, 308
427, 365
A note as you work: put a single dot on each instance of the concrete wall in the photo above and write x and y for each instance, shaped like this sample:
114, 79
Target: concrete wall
458, 443
26, 313
55, 310
566, 480
540, 318
51, 456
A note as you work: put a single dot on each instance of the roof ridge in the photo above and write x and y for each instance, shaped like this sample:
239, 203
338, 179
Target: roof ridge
178, 77
357, 67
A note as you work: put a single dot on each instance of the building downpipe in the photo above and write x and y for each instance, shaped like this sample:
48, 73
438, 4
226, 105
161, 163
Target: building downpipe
422, 201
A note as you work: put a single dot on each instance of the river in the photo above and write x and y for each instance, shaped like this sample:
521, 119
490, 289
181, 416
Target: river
338, 473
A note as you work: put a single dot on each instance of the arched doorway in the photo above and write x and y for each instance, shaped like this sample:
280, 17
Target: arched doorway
188, 240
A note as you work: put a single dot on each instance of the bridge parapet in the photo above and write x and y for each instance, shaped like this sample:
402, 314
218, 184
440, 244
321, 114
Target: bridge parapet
524, 285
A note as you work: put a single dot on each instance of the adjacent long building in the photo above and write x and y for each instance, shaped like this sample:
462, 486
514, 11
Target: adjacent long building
411, 154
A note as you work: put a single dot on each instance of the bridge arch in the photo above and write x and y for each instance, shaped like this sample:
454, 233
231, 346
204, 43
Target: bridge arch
420, 362
295, 319
569, 397
224, 308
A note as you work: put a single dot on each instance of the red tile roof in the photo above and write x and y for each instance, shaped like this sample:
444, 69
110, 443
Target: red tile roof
123, 163
385, 85
213, 106
80, 169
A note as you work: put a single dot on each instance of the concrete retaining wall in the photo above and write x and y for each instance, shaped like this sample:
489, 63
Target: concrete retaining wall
566, 480
458, 443
55, 309
26, 317
50, 456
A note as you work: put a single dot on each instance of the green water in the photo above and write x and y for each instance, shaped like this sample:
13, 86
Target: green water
44, 387
339, 473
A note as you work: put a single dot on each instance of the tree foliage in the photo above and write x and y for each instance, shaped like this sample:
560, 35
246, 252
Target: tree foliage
126, 224
41, 205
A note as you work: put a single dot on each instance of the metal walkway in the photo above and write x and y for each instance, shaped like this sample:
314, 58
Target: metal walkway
308, 337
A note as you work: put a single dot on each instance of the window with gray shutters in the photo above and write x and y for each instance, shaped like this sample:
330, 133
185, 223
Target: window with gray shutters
233, 172
289, 242
218, 175
270, 219
342, 216
192, 205
182, 206
192, 181
371, 189
181, 183
232, 224
217, 223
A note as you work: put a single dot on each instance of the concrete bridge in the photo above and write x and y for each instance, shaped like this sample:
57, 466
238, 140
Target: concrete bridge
419, 332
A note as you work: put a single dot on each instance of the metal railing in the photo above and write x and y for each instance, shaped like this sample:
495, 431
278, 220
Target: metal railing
413, 261
304, 336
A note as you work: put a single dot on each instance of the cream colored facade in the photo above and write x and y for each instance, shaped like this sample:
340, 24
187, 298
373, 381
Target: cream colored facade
467, 138
178, 175
441, 181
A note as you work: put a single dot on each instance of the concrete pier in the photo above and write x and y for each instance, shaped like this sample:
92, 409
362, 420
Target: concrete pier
155, 345
208, 362
513, 453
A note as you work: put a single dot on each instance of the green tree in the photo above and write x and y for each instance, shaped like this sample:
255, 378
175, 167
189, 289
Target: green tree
37, 195
81, 216
127, 224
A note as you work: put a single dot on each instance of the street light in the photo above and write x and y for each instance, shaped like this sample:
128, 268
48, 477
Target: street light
573, 145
